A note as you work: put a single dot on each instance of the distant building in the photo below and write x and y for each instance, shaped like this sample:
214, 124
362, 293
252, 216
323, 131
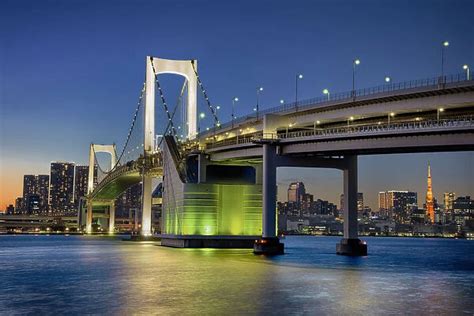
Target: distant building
10, 210
129, 200
62, 188
19, 205
296, 191
463, 210
81, 181
397, 205
360, 201
448, 201
35, 194
322, 207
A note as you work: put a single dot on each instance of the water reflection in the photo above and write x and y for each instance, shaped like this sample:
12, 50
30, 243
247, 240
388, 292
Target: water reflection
97, 276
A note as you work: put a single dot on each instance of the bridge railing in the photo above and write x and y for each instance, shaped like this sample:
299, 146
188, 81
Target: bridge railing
439, 82
383, 127
155, 160
350, 131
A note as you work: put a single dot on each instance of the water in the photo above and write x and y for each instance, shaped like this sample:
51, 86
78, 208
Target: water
92, 275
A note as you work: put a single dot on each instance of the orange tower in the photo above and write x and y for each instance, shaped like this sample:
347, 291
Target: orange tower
429, 198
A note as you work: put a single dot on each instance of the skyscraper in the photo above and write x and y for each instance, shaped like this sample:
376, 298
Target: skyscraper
397, 205
35, 194
80, 182
62, 187
449, 198
360, 201
429, 198
296, 191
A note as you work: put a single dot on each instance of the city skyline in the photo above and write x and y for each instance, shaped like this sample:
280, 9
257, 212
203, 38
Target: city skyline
230, 65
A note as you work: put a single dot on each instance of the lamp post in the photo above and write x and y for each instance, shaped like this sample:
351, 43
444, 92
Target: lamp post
201, 116
443, 47
438, 111
466, 67
355, 62
235, 99
391, 114
349, 121
326, 92
259, 89
298, 77
387, 79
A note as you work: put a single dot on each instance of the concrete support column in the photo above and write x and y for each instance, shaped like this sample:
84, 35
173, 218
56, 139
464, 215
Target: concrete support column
269, 191
112, 218
269, 244
350, 198
89, 217
351, 245
146, 205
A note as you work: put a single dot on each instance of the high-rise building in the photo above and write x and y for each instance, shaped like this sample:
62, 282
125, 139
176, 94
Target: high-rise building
36, 189
430, 212
360, 201
463, 209
383, 203
306, 201
129, 200
296, 191
448, 200
80, 182
19, 205
397, 205
62, 188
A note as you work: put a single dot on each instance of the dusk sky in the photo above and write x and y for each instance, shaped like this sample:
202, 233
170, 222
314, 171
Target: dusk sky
71, 71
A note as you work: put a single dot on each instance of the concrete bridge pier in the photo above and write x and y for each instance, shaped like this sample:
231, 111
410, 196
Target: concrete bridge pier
89, 218
269, 244
146, 206
351, 245
112, 218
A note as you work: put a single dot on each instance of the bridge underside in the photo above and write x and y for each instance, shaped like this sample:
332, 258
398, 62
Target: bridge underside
115, 187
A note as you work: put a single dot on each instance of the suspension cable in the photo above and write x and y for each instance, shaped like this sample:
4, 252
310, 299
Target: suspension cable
163, 100
206, 97
139, 104
117, 163
174, 111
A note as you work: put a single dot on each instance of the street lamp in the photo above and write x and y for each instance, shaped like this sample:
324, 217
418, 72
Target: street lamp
466, 67
350, 120
438, 111
201, 116
282, 101
443, 47
391, 114
388, 79
298, 77
234, 99
355, 62
326, 91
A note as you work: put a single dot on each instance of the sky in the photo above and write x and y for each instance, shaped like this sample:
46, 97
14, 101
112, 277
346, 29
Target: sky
71, 71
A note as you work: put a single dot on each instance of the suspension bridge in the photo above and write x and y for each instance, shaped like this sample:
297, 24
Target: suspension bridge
219, 185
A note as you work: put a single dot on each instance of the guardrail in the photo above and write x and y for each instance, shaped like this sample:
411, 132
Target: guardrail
462, 121
434, 82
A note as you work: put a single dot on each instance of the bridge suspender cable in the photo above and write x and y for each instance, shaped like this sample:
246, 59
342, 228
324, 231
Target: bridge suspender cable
174, 111
139, 105
163, 100
203, 90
